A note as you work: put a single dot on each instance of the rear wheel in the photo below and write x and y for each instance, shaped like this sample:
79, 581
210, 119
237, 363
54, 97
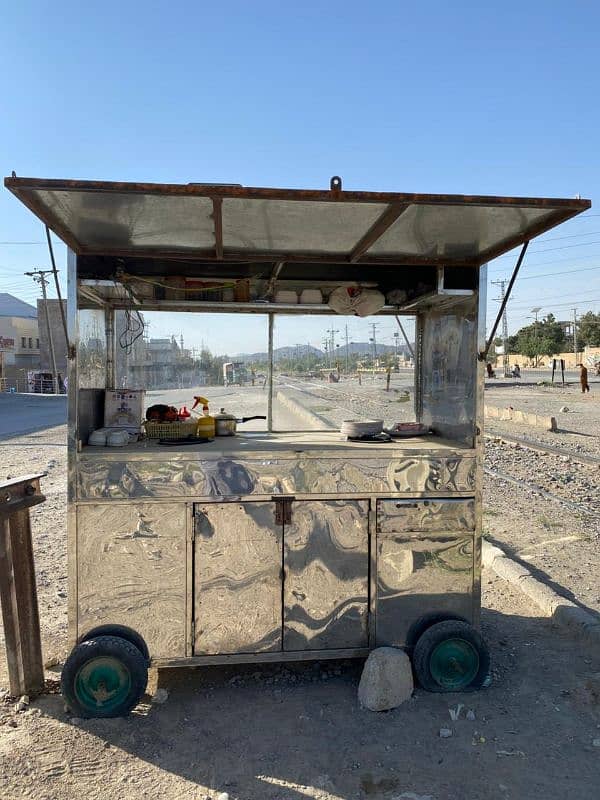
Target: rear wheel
451, 656
104, 677
123, 632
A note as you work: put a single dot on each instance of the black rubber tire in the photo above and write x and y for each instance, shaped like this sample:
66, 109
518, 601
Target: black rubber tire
104, 646
434, 636
424, 623
123, 632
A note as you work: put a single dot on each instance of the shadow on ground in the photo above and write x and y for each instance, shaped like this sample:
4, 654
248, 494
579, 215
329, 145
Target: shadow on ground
287, 733
540, 574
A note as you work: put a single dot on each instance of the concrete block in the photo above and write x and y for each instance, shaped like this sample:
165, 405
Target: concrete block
521, 417
387, 679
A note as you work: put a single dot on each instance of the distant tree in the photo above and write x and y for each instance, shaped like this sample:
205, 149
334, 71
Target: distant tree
543, 338
588, 330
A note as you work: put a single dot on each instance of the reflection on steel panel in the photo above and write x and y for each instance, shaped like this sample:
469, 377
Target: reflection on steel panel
131, 563
421, 577
455, 231
425, 515
98, 478
326, 575
432, 475
448, 376
237, 578
126, 220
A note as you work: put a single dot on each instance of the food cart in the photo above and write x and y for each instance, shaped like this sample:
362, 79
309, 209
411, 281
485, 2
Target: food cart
278, 546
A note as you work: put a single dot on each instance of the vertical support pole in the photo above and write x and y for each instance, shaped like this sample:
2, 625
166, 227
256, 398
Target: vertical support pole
18, 594
109, 315
270, 377
478, 440
55, 389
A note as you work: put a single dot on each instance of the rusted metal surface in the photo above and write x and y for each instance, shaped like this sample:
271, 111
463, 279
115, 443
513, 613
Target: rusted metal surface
60, 204
208, 190
18, 594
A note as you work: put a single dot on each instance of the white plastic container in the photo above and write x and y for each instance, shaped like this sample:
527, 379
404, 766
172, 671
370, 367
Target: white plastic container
97, 438
286, 296
117, 438
311, 296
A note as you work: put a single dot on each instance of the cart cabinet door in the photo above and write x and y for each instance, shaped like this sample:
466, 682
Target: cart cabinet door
419, 578
131, 570
326, 575
422, 514
237, 578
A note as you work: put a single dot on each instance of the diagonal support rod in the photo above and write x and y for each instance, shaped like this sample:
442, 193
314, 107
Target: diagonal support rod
483, 355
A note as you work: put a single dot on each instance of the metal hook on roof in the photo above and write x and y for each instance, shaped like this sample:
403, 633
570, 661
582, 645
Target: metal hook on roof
335, 184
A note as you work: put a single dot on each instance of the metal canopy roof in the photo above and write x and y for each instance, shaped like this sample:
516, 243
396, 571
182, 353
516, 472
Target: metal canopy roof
234, 223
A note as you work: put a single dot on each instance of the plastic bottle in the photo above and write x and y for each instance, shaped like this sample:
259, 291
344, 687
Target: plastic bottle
184, 414
206, 424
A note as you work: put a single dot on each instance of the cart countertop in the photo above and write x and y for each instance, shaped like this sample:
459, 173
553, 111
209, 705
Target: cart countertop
287, 445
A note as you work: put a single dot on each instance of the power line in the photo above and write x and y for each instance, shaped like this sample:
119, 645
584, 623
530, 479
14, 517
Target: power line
552, 249
560, 272
560, 305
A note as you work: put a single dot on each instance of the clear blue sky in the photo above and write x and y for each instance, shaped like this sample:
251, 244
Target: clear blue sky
459, 97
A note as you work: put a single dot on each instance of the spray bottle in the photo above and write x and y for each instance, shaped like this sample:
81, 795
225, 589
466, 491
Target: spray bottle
206, 423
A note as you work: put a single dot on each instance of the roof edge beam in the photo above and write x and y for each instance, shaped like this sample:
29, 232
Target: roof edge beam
377, 229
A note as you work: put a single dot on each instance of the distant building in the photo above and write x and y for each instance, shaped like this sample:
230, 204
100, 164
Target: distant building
19, 341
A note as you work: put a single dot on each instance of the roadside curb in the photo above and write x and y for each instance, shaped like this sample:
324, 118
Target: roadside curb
310, 417
564, 613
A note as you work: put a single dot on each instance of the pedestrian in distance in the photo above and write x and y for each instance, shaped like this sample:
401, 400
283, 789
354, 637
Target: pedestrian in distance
583, 378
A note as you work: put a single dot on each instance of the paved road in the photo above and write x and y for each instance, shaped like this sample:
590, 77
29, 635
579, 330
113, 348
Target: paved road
26, 413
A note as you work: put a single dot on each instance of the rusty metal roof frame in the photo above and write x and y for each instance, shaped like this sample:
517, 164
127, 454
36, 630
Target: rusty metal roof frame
35, 193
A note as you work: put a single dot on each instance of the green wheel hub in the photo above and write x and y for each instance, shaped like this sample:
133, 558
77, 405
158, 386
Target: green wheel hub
102, 683
454, 663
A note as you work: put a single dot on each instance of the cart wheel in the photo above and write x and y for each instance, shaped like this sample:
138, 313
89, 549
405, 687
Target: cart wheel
123, 632
104, 677
451, 657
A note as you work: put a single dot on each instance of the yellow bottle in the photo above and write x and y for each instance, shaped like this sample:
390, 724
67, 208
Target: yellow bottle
206, 424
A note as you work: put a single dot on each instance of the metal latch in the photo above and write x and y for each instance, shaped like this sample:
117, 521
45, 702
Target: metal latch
283, 510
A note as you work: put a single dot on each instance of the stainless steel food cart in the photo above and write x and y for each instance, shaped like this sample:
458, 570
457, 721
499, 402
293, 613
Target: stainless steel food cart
278, 546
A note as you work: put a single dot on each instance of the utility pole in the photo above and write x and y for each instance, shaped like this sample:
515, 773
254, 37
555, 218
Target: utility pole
332, 334
374, 326
39, 276
505, 359
347, 353
536, 311
575, 333
326, 348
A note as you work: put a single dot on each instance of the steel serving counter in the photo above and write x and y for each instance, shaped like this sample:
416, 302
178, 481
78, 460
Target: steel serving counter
275, 544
